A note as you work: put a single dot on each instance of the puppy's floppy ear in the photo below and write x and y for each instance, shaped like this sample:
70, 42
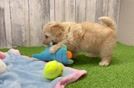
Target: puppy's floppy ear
49, 24
77, 33
57, 29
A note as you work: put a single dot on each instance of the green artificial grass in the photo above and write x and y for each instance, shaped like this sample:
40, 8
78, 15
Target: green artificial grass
120, 74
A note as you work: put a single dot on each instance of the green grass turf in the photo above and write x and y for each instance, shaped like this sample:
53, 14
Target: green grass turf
120, 74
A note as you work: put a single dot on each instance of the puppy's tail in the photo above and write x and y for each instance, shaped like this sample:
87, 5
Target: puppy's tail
107, 21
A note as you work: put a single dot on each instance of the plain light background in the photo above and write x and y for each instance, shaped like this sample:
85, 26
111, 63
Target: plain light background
126, 22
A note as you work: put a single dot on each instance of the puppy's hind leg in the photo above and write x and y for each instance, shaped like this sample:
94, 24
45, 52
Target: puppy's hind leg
106, 52
105, 60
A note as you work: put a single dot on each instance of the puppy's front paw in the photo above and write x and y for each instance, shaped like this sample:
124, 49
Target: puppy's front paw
104, 63
53, 49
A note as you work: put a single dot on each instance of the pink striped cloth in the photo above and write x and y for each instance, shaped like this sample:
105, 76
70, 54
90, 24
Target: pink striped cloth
71, 78
2, 55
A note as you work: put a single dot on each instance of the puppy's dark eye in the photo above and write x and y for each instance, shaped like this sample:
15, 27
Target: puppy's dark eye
46, 36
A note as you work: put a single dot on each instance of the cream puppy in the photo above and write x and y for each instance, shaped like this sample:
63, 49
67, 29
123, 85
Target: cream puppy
97, 39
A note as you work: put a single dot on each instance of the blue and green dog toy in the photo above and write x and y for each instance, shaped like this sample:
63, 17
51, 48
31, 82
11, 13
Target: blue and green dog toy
62, 55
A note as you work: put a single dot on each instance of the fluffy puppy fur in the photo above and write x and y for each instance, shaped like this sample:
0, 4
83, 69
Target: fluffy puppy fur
97, 39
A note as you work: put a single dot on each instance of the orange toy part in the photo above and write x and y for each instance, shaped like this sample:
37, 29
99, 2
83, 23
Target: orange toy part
69, 54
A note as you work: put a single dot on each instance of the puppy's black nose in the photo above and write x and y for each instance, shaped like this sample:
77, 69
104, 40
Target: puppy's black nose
46, 36
54, 42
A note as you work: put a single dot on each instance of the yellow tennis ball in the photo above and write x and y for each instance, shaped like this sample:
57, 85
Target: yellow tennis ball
52, 70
